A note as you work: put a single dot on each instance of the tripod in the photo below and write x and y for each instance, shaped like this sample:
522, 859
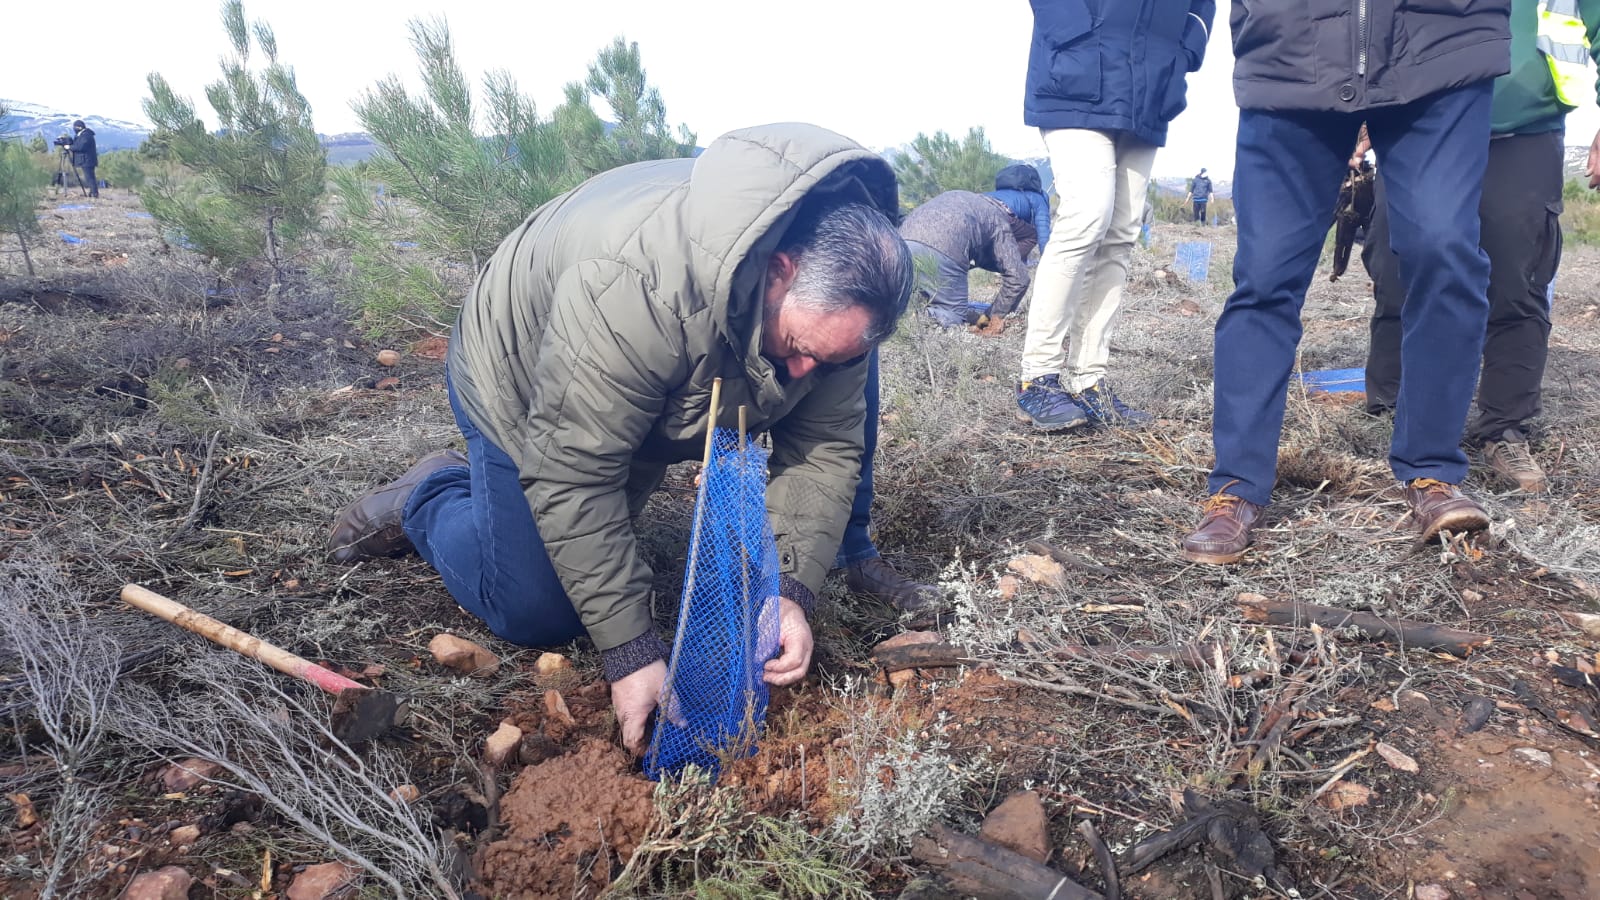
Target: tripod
63, 164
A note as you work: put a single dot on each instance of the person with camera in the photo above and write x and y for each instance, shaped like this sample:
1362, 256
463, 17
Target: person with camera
84, 156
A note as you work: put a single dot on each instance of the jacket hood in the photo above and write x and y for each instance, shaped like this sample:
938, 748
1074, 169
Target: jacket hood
743, 193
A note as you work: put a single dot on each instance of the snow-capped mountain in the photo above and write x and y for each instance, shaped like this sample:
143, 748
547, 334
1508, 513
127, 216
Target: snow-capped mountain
24, 120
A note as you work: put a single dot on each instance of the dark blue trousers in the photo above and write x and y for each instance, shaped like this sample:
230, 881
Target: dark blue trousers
474, 526
1287, 173
857, 545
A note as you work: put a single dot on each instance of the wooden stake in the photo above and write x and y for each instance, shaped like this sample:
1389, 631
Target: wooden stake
711, 422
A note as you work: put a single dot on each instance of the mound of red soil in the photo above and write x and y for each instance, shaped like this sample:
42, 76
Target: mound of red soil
567, 821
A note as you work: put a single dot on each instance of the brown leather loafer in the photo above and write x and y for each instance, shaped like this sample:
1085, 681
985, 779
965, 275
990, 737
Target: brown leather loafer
1224, 531
877, 579
371, 527
1437, 506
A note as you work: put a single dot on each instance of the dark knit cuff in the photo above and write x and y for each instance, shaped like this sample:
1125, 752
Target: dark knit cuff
625, 659
789, 586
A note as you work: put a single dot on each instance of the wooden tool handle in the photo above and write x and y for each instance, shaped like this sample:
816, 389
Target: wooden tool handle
236, 640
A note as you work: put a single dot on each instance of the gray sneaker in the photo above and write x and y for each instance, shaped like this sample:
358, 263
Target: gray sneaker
1512, 461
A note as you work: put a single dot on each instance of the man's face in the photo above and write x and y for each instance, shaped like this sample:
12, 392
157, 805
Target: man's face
799, 341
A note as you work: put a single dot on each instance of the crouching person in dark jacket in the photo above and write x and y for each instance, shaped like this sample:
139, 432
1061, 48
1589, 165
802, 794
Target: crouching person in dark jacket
951, 234
1306, 76
1019, 189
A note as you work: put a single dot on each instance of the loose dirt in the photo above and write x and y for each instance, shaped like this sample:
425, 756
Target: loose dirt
567, 822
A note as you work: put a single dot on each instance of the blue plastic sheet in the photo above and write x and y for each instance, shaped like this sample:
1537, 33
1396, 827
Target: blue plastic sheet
1335, 381
69, 207
1193, 260
714, 701
72, 239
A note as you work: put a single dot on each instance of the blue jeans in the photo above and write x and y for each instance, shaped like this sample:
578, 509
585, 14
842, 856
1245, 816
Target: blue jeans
1287, 173
857, 545
474, 526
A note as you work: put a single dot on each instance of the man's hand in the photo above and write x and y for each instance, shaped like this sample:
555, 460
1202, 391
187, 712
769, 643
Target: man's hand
794, 645
634, 697
1594, 162
1360, 154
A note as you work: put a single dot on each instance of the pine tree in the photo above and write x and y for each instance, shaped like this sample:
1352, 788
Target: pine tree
260, 173
22, 184
933, 165
457, 176
38, 144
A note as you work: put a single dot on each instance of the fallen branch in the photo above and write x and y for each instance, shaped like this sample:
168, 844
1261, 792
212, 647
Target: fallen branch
978, 868
1230, 827
1102, 855
1078, 690
1371, 627
944, 655
1070, 560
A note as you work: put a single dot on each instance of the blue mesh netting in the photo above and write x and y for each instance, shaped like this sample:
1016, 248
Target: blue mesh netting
714, 700
1193, 260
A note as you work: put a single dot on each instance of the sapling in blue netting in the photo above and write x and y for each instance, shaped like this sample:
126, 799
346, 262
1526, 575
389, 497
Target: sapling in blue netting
714, 700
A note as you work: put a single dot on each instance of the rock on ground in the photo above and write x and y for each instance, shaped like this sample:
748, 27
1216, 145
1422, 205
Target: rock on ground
188, 774
328, 881
503, 744
170, 883
1019, 823
464, 656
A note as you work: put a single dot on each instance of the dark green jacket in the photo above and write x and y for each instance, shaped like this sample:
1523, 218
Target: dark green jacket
1525, 100
588, 345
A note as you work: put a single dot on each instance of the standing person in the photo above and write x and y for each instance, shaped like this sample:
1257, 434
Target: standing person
1420, 78
957, 231
84, 156
1104, 79
581, 367
1200, 193
1521, 233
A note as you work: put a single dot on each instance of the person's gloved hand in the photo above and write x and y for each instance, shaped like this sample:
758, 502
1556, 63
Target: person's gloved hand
794, 646
634, 698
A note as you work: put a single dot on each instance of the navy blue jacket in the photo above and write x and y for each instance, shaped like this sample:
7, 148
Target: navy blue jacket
1114, 65
1032, 208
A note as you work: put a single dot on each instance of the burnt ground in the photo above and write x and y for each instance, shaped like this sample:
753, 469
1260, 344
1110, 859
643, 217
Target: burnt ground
171, 425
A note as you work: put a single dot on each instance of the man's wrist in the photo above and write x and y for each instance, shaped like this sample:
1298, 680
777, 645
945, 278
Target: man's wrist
625, 659
790, 587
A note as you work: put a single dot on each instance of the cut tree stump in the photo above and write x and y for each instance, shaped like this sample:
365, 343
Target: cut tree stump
988, 871
1376, 628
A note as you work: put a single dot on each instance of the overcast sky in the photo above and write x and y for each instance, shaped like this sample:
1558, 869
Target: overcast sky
878, 72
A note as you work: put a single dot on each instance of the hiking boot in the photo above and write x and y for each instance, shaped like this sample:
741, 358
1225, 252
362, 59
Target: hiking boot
1224, 531
1043, 402
371, 527
1511, 460
1437, 506
1104, 408
877, 579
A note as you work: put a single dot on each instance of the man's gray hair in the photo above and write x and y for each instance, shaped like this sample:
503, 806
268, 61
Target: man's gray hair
847, 253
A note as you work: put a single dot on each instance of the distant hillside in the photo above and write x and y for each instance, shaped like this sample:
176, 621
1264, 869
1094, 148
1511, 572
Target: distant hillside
28, 119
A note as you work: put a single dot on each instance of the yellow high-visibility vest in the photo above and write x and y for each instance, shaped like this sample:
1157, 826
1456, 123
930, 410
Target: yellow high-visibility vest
1565, 45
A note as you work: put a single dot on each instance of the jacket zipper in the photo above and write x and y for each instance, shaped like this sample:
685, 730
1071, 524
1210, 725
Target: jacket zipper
1361, 38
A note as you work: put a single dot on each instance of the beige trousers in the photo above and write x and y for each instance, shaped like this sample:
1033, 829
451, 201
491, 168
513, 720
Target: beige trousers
1101, 177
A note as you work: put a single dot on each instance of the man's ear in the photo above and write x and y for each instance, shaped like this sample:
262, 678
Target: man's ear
781, 272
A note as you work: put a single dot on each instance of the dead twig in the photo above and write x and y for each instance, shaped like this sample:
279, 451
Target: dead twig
1400, 631
1102, 855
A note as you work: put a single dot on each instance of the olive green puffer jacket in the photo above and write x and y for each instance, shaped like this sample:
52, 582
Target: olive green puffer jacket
587, 349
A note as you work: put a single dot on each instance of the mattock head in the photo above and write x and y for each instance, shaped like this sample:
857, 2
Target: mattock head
361, 714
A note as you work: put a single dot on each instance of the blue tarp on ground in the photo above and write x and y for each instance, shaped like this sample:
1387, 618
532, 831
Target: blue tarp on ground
71, 239
72, 206
140, 215
1193, 260
1335, 381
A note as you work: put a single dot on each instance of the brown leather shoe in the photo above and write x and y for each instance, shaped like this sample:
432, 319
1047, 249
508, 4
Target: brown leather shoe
1224, 531
370, 527
877, 579
1437, 506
